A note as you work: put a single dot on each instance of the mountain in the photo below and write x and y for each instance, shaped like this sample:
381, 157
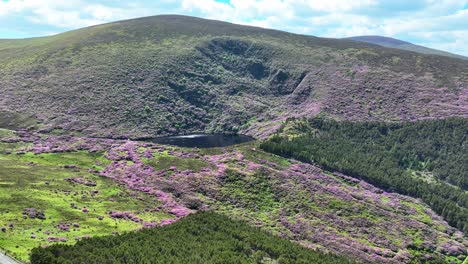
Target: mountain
403, 45
175, 74
357, 129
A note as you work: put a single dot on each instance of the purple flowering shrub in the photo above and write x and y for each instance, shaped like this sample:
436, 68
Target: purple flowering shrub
124, 215
355, 217
300, 202
81, 180
34, 213
64, 227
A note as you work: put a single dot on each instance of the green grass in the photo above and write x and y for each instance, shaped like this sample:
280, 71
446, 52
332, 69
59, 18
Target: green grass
421, 215
15, 121
81, 159
4, 133
253, 153
164, 161
253, 192
41, 185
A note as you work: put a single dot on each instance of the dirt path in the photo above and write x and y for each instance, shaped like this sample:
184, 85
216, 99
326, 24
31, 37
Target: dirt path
4, 259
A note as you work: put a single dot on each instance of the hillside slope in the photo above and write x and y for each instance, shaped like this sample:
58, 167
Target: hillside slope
175, 74
404, 45
424, 159
159, 185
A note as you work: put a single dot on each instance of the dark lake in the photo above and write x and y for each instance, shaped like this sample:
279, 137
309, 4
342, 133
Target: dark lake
202, 140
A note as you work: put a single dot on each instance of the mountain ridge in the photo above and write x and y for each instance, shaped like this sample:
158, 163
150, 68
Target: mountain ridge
403, 45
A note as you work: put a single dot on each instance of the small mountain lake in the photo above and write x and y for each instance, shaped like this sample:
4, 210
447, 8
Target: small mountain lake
202, 140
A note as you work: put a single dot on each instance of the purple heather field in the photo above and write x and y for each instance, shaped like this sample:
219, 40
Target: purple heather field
301, 202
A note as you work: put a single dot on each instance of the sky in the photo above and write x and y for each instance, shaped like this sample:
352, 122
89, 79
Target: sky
439, 24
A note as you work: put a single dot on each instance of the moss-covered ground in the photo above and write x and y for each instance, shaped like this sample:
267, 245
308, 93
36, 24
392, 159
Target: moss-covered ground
38, 181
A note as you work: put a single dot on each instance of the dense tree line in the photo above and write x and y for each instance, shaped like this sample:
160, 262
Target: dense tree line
423, 159
205, 237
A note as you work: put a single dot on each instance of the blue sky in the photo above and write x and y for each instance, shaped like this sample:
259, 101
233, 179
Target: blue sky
440, 24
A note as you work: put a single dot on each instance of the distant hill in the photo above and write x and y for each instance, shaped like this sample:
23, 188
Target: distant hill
175, 74
403, 45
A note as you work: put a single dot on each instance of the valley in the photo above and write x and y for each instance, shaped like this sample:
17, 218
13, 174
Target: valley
123, 141
87, 187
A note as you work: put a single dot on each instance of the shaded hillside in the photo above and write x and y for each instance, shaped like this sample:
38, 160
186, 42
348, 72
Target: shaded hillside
403, 45
176, 74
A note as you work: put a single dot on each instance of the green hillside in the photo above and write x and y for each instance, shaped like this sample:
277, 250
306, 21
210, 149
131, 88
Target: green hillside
59, 190
176, 74
425, 159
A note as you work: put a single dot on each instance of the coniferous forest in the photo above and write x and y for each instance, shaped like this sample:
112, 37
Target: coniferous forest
204, 237
424, 159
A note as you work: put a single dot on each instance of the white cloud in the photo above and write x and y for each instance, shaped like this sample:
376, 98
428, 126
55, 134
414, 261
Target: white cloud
69, 14
330, 6
62, 19
13, 6
209, 9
